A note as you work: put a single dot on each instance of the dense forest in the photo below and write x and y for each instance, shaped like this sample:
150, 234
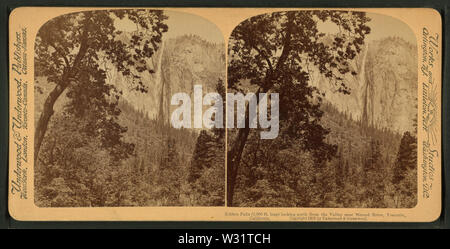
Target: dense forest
370, 168
103, 136
167, 166
102, 105
347, 108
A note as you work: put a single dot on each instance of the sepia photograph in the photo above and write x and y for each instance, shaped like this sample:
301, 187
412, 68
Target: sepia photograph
103, 87
225, 114
347, 111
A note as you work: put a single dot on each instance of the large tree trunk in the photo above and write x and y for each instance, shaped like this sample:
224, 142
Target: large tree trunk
47, 113
235, 154
233, 161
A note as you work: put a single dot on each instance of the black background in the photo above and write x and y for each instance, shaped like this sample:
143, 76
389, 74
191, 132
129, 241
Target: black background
170, 237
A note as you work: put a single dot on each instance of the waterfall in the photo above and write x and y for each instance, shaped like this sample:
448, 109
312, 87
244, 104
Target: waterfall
160, 81
363, 82
363, 65
158, 66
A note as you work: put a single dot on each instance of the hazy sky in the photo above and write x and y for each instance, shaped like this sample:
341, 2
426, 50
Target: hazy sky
182, 23
381, 26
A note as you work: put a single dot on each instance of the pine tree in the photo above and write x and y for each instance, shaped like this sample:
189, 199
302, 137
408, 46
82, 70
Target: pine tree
170, 157
374, 156
340, 168
406, 157
204, 154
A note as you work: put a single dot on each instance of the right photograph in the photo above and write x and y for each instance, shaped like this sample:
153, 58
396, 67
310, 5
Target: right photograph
339, 89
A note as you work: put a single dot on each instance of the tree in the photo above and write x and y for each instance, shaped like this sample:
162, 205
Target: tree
69, 49
206, 174
204, 155
273, 53
372, 161
73, 169
404, 176
374, 175
406, 157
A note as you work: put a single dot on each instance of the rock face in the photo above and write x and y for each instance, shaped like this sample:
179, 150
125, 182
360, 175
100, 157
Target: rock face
384, 91
178, 65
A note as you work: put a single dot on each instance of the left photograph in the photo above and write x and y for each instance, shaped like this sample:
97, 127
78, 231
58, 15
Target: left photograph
104, 107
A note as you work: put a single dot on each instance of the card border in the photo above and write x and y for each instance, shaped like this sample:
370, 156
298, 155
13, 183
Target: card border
7, 6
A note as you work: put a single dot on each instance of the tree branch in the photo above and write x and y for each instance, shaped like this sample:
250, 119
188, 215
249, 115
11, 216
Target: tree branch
58, 50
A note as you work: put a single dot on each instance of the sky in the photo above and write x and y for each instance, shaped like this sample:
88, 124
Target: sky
180, 23
381, 26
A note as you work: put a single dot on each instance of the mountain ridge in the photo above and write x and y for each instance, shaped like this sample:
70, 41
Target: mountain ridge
382, 92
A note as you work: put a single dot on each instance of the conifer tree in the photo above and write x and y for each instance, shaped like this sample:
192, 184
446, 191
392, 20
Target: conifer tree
406, 157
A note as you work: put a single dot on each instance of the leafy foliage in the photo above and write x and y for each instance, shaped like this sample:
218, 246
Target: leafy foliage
361, 174
99, 150
75, 170
273, 53
72, 45
69, 51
